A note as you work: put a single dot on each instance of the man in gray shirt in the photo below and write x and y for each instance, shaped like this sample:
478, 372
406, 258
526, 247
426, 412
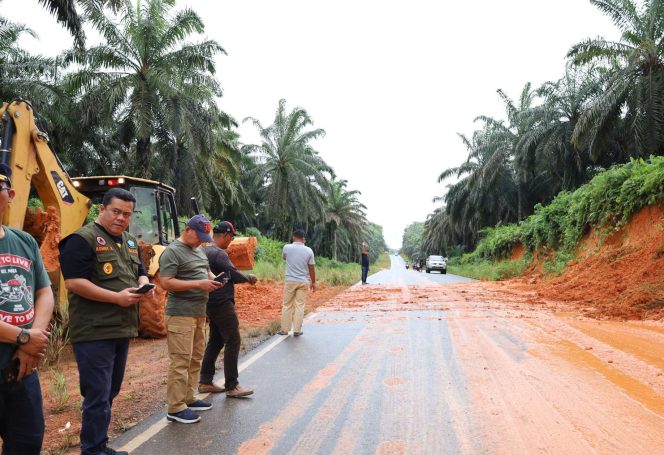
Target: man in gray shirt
300, 276
185, 274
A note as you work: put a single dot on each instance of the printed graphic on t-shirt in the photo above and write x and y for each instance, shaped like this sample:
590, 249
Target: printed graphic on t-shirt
16, 305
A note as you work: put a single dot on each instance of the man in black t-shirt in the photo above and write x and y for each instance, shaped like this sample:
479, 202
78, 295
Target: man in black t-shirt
224, 324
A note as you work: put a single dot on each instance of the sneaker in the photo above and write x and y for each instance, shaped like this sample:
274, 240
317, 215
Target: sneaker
297, 334
238, 392
200, 405
210, 388
186, 416
109, 451
281, 332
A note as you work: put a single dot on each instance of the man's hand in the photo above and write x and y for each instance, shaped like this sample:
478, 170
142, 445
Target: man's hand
36, 347
313, 287
27, 363
210, 285
127, 298
253, 279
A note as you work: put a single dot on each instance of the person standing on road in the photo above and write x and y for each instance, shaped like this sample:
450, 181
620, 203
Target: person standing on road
102, 269
26, 309
299, 277
185, 274
365, 262
224, 324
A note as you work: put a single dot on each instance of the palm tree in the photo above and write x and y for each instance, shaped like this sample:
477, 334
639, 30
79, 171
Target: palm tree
144, 66
292, 177
22, 74
546, 147
486, 192
65, 12
344, 217
634, 92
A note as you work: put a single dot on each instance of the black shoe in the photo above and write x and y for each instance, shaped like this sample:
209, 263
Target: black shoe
297, 334
109, 451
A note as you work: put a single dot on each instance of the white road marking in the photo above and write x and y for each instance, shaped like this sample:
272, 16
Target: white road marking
155, 428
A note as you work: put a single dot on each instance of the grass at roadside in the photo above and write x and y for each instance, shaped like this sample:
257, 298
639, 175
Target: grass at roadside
489, 270
332, 273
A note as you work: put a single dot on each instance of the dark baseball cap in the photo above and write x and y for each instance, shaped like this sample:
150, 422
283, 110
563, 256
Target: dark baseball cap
201, 225
224, 227
5, 174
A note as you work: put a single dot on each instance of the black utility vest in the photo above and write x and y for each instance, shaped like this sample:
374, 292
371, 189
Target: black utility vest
115, 268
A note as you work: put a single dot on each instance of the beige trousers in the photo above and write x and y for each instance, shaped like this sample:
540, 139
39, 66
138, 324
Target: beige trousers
292, 310
186, 344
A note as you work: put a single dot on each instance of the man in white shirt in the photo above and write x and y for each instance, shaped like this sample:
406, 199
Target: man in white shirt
300, 276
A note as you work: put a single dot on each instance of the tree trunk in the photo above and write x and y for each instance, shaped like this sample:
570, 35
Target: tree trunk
143, 158
334, 243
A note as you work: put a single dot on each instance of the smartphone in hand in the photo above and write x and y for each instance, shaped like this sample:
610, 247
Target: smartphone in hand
223, 277
144, 289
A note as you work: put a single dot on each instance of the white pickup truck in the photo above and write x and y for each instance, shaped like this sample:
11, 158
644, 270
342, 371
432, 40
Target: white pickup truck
436, 263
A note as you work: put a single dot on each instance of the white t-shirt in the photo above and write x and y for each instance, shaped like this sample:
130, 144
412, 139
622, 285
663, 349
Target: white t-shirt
298, 257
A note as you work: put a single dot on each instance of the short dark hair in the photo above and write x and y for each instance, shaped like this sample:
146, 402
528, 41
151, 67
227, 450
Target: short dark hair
298, 233
118, 193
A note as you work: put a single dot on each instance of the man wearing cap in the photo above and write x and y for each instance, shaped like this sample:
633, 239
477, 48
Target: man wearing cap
224, 324
299, 277
102, 269
26, 311
185, 274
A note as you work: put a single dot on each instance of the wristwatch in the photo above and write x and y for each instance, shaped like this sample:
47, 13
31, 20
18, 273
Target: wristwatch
23, 337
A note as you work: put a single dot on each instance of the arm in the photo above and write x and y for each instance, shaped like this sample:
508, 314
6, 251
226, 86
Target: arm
88, 290
222, 262
28, 358
170, 283
312, 277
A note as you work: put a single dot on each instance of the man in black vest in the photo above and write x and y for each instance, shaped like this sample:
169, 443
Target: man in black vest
102, 269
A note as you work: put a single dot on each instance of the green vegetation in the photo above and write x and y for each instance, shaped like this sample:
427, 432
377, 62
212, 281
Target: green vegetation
605, 203
489, 270
604, 110
144, 102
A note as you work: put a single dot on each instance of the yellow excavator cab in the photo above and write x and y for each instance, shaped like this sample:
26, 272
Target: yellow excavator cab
155, 218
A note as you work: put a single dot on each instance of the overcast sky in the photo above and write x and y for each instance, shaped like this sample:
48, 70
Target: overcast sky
391, 82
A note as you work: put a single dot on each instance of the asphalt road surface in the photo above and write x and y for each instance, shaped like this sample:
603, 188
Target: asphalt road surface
413, 363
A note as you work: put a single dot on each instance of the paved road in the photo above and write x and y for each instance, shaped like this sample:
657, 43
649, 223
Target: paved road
406, 365
399, 275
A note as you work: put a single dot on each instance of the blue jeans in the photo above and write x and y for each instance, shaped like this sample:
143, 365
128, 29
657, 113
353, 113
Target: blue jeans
365, 272
101, 367
21, 417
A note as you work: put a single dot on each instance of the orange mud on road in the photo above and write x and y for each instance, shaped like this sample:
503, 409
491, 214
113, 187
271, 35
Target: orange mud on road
474, 368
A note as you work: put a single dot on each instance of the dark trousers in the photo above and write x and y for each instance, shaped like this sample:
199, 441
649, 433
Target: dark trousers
101, 367
224, 333
21, 417
365, 272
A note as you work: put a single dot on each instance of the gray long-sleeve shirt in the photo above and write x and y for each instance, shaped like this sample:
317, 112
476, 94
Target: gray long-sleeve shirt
220, 262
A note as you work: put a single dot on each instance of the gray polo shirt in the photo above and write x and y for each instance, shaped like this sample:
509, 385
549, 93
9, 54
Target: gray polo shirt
298, 258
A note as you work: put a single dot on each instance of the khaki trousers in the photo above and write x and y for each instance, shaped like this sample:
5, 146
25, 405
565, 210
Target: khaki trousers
292, 310
186, 343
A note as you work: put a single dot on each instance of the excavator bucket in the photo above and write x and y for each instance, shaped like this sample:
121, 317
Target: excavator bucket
241, 252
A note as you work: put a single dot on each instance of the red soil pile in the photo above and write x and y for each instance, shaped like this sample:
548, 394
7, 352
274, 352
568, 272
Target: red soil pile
517, 253
44, 226
241, 252
620, 277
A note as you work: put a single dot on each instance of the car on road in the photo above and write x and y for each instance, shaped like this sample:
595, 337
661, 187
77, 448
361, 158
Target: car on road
436, 263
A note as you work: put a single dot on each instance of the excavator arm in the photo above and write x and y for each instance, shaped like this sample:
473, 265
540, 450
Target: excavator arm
25, 149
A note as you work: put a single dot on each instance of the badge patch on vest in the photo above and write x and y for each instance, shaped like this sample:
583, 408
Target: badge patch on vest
107, 268
101, 241
131, 243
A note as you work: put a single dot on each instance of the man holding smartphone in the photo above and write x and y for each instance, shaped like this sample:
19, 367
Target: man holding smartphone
185, 274
26, 306
102, 271
224, 324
